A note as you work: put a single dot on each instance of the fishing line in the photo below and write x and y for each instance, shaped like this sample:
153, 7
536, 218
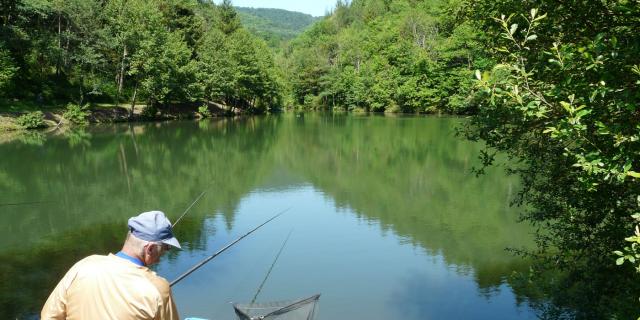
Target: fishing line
271, 268
189, 208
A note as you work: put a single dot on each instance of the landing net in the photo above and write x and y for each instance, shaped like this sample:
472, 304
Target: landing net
304, 309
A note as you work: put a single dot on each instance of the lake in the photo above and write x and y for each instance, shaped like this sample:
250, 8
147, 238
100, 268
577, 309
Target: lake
386, 219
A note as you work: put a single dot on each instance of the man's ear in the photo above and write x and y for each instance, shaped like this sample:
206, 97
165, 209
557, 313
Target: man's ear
148, 248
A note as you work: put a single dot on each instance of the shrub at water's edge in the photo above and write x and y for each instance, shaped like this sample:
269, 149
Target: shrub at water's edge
31, 120
76, 114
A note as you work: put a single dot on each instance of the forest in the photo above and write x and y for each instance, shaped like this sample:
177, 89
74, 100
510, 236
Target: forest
126, 52
554, 85
387, 56
366, 55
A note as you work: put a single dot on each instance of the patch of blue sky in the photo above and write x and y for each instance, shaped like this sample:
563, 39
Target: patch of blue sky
315, 8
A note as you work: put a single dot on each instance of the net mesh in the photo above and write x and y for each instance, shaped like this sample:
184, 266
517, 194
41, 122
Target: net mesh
304, 309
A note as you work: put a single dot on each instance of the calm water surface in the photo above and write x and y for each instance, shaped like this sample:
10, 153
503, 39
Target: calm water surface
386, 220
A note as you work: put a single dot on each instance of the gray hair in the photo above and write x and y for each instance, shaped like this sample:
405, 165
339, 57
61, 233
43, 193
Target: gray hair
138, 244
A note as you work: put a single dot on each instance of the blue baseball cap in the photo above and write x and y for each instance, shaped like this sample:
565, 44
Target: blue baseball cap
153, 226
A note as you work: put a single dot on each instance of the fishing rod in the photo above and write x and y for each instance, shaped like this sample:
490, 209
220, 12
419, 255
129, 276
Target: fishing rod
25, 203
203, 262
271, 268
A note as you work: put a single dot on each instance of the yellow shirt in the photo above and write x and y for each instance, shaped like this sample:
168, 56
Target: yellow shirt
109, 287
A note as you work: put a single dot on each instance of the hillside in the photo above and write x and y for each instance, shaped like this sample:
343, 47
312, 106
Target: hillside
274, 25
371, 55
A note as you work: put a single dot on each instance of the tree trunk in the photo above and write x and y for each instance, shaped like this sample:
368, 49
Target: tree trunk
121, 74
133, 100
66, 49
81, 90
59, 44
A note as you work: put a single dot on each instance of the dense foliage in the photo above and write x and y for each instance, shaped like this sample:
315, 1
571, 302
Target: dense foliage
7, 69
133, 50
563, 101
378, 55
274, 25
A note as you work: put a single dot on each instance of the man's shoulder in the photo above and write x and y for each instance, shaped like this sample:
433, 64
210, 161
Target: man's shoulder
90, 260
100, 264
95, 258
159, 282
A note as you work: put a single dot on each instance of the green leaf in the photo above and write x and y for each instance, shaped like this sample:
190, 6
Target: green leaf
540, 17
633, 174
566, 106
582, 113
618, 253
632, 239
620, 261
513, 29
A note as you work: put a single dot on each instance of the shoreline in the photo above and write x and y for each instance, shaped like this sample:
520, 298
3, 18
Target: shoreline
96, 114
105, 114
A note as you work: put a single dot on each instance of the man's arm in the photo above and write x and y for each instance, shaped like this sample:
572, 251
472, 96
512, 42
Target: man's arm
56, 305
166, 306
169, 310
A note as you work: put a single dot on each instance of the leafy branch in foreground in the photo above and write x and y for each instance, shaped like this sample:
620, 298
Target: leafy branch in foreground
631, 253
563, 103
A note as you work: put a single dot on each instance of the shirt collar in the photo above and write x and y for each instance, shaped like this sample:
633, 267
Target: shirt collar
130, 258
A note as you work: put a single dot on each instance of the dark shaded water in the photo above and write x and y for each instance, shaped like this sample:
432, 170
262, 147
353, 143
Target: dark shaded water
388, 222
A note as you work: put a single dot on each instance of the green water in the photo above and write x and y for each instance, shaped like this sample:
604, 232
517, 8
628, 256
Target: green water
388, 222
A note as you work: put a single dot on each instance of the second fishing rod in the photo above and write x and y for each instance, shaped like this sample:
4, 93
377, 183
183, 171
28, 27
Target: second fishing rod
217, 253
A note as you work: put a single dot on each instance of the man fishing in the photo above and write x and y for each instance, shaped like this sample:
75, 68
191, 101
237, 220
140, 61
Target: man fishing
119, 286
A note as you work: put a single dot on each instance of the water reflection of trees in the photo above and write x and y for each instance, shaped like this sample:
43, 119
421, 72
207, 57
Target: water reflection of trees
120, 173
92, 188
412, 175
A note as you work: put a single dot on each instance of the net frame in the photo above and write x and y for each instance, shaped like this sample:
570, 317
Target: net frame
243, 311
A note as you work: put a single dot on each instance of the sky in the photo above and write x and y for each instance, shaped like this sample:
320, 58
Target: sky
313, 7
